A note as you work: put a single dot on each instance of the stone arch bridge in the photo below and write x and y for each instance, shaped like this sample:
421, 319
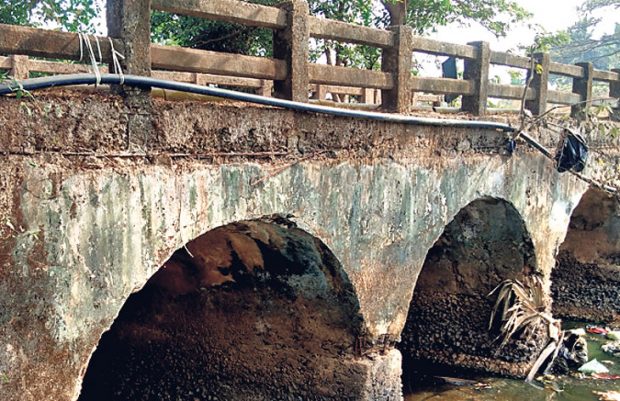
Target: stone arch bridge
283, 255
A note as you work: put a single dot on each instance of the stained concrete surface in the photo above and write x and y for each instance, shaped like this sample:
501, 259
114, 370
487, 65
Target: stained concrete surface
82, 232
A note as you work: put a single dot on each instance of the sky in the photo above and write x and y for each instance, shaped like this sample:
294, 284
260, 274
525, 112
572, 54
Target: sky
552, 15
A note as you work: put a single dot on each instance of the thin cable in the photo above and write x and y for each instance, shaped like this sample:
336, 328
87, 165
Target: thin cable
81, 46
522, 112
98, 48
93, 60
115, 62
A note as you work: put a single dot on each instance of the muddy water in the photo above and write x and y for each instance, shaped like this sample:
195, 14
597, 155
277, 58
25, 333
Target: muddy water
497, 389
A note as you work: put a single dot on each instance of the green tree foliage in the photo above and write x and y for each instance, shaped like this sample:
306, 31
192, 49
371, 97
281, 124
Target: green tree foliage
69, 15
423, 15
211, 35
427, 15
578, 42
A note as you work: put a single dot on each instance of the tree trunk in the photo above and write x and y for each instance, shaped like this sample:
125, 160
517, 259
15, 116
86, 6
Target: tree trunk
397, 10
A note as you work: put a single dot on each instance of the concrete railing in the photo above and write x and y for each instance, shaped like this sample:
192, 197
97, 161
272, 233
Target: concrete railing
293, 77
21, 67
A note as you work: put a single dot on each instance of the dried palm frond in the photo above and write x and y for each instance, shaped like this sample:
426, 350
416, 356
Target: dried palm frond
520, 308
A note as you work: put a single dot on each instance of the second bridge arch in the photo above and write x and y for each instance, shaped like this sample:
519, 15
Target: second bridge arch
447, 324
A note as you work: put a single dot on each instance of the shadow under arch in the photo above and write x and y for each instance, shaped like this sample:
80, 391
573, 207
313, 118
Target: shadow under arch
251, 310
446, 331
586, 280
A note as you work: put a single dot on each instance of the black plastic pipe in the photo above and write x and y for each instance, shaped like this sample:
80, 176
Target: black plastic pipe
146, 82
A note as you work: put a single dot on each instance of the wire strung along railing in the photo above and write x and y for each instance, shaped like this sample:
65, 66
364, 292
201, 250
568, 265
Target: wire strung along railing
289, 74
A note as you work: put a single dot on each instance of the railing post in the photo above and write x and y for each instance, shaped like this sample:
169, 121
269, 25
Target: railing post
397, 61
265, 88
583, 87
477, 71
614, 91
291, 44
368, 96
130, 21
540, 84
20, 67
320, 93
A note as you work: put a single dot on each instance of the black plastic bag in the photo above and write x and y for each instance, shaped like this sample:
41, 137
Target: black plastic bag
448, 69
574, 153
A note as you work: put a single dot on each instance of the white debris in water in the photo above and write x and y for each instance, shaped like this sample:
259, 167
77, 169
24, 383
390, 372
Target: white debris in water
593, 366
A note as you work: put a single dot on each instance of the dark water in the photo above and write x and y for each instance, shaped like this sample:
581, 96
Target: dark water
498, 389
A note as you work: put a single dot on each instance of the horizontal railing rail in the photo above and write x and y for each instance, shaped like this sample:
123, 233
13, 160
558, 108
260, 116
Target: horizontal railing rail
510, 60
193, 60
321, 28
438, 48
288, 73
48, 44
226, 10
22, 67
343, 76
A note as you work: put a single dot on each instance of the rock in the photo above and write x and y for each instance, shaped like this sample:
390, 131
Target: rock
612, 347
608, 395
593, 366
614, 335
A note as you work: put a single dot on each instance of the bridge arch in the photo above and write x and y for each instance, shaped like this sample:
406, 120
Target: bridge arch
586, 280
447, 323
256, 309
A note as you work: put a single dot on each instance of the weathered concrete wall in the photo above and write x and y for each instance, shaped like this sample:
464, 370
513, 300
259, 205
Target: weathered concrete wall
586, 282
80, 234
